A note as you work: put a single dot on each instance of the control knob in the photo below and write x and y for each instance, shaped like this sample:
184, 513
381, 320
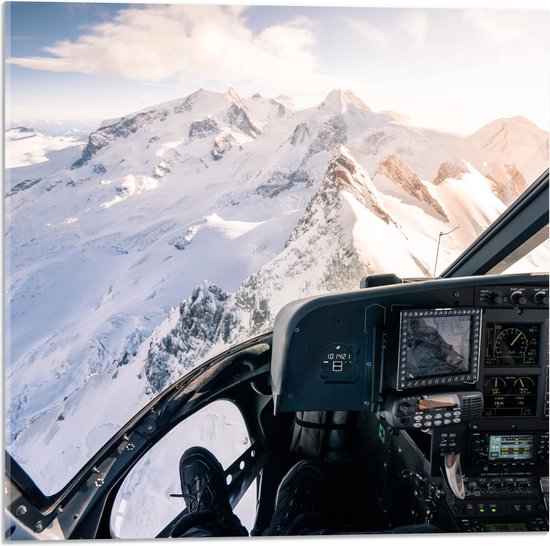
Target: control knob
404, 408
492, 297
541, 298
517, 298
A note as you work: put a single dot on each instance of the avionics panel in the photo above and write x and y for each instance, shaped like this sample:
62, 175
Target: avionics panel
438, 347
510, 395
512, 344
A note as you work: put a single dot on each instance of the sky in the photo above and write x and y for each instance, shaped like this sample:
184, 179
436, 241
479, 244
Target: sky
449, 69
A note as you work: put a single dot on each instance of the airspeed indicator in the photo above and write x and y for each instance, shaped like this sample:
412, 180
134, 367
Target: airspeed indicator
511, 342
514, 344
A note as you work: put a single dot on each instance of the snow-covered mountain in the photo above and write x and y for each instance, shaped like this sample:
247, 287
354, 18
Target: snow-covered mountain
26, 147
184, 227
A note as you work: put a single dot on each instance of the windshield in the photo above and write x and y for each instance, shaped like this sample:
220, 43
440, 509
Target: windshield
176, 174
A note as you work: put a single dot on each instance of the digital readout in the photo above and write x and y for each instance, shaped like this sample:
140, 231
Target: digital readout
512, 447
512, 345
510, 396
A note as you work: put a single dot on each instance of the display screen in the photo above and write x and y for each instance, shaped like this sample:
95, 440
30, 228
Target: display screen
505, 527
437, 402
438, 343
512, 345
510, 447
510, 396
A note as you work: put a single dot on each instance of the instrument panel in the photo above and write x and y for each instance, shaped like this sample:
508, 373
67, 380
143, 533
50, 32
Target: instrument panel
510, 395
349, 351
460, 365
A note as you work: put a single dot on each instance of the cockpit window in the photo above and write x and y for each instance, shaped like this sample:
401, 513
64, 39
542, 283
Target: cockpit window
236, 159
533, 257
143, 506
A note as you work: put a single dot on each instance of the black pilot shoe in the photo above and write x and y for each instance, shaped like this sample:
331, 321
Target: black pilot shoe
203, 485
299, 494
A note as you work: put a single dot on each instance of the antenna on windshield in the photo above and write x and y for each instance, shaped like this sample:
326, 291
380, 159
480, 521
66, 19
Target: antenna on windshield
441, 234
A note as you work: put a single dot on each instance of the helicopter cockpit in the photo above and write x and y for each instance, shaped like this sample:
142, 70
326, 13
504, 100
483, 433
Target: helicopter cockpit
427, 400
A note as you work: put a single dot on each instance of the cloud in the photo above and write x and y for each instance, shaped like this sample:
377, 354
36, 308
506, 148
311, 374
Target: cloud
414, 23
498, 27
160, 42
369, 32
411, 23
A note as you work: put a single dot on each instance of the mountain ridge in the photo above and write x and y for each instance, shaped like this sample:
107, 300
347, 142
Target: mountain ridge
218, 206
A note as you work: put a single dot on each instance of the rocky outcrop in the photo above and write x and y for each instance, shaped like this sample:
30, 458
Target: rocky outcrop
22, 186
203, 128
301, 134
123, 128
332, 133
237, 117
509, 185
375, 142
191, 100
280, 181
398, 171
451, 169
221, 145
202, 320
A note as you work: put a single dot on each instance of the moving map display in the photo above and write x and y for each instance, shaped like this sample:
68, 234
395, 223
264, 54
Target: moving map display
439, 343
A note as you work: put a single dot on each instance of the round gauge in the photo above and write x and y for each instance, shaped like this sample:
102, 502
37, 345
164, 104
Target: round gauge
511, 342
525, 385
497, 385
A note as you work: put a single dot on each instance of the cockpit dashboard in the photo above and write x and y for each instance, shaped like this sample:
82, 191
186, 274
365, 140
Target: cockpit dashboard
455, 370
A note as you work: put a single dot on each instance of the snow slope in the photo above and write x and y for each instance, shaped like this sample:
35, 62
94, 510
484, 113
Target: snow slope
184, 227
26, 147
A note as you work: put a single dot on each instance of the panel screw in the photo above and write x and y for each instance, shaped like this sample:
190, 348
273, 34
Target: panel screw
21, 510
130, 447
38, 527
296, 330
